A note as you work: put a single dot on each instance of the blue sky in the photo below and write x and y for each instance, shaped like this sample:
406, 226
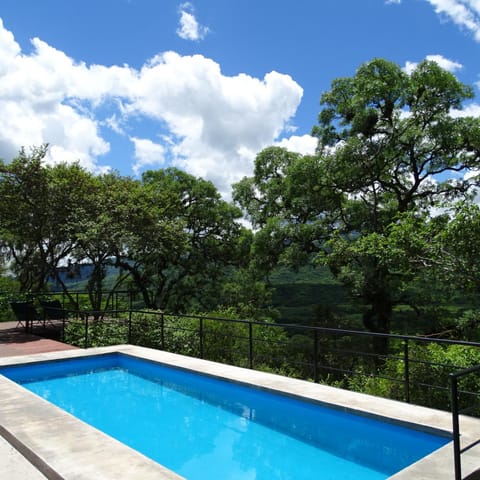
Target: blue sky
202, 85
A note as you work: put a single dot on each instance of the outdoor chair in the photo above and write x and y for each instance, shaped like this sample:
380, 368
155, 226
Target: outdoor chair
26, 314
53, 310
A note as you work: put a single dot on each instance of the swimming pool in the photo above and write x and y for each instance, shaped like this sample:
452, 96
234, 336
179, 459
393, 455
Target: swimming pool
202, 427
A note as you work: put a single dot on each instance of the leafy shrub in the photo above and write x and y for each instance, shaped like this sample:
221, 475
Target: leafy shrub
100, 333
429, 369
9, 293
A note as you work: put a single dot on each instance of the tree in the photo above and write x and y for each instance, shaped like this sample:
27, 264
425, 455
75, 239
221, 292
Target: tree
170, 234
180, 240
40, 215
102, 235
458, 248
388, 145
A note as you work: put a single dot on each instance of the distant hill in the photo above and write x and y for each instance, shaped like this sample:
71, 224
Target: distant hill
76, 276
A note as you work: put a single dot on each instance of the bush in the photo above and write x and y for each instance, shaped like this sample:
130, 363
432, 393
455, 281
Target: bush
429, 369
101, 333
9, 293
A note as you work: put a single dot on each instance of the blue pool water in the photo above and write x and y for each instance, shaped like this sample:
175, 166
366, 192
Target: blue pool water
205, 428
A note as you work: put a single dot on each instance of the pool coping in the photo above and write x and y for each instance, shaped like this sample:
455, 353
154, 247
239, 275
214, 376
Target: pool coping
61, 446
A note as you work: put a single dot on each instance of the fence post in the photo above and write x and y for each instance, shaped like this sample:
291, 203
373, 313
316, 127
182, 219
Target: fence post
201, 336
250, 345
162, 331
130, 326
406, 365
456, 427
315, 356
86, 330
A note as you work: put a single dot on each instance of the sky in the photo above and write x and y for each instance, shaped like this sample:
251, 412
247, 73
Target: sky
132, 85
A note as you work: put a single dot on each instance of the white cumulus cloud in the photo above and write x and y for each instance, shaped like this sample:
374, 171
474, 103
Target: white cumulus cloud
189, 28
445, 63
306, 144
35, 108
214, 119
464, 13
201, 120
147, 153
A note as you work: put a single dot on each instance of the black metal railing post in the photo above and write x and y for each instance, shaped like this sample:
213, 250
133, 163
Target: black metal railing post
457, 450
162, 331
455, 426
315, 356
130, 327
406, 369
250, 345
200, 333
86, 331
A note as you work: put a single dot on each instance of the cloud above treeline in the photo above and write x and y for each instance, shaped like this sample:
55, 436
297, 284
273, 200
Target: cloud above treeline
209, 124
445, 63
189, 28
463, 13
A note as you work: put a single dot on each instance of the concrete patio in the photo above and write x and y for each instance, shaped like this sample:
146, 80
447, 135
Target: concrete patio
15, 341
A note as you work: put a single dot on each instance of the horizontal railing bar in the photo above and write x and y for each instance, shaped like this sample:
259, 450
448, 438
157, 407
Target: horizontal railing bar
465, 371
468, 447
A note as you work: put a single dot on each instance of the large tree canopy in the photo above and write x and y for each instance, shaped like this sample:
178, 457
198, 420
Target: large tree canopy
181, 240
390, 145
41, 213
169, 234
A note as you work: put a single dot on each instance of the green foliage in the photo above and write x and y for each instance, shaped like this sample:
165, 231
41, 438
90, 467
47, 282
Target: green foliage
99, 333
388, 151
225, 338
430, 365
313, 296
8, 292
179, 247
222, 337
169, 236
459, 248
468, 325
40, 216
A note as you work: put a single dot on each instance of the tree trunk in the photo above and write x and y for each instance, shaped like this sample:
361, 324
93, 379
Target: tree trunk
377, 319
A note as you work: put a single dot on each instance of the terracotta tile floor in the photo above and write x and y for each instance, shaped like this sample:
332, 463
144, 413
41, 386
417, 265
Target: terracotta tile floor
14, 341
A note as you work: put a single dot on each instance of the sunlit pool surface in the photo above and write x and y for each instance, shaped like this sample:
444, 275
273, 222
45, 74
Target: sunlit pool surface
203, 428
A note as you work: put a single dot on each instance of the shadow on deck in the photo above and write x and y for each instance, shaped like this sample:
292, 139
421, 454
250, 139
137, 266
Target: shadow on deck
15, 341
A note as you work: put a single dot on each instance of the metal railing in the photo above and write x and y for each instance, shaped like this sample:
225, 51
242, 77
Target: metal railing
454, 393
400, 365
78, 299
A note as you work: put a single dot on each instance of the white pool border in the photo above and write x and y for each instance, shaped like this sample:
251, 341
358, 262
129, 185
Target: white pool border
63, 447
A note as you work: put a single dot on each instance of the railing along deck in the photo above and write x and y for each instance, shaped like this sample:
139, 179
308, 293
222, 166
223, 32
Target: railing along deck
325, 354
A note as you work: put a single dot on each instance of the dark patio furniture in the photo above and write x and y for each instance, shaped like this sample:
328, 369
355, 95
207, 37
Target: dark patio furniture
53, 310
25, 313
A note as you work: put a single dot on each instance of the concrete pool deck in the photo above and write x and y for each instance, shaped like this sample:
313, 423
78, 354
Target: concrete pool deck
15, 341
60, 446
